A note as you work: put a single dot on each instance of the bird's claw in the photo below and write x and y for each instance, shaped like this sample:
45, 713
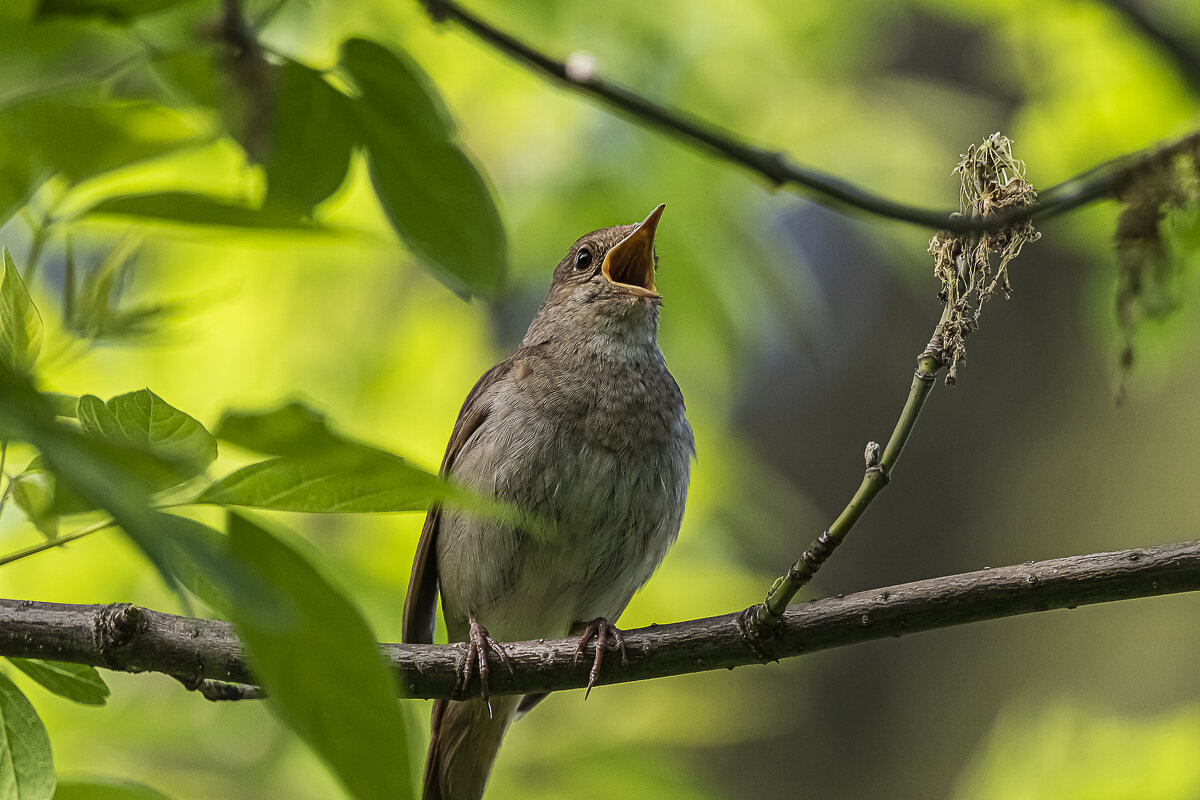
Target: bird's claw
599, 629
479, 643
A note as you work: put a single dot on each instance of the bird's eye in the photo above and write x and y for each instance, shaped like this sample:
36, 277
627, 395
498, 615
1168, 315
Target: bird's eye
583, 259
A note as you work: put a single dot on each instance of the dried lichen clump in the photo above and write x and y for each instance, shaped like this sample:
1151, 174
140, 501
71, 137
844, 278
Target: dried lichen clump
1149, 273
973, 267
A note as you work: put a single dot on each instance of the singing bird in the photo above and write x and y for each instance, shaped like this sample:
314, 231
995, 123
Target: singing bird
583, 428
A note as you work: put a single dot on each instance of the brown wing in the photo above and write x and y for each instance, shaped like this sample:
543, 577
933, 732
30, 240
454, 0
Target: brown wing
420, 604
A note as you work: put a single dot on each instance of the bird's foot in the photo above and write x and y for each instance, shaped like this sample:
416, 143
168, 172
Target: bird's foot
479, 643
601, 630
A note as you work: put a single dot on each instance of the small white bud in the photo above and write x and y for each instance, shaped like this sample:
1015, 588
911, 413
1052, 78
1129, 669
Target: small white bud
871, 454
581, 66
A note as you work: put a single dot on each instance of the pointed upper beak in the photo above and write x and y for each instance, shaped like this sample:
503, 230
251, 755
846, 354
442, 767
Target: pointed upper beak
630, 262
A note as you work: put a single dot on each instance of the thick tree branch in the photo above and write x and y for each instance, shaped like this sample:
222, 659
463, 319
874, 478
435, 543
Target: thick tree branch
131, 639
1104, 180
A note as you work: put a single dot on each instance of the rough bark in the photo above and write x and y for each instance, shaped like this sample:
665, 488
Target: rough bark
132, 639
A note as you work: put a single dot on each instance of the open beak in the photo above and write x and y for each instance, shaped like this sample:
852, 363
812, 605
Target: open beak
630, 263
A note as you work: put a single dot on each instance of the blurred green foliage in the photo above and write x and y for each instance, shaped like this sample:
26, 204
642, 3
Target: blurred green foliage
1110, 755
342, 702
295, 229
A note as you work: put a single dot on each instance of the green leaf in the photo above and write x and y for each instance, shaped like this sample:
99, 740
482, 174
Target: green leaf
65, 500
143, 420
324, 674
311, 145
154, 444
372, 483
33, 491
18, 10
104, 474
47, 56
322, 471
194, 553
120, 11
391, 80
438, 203
137, 466
200, 557
90, 307
106, 790
77, 682
319, 470
186, 208
65, 405
191, 76
292, 429
108, 475
26, 764
83, 138
18, 178
433, 195
20, 323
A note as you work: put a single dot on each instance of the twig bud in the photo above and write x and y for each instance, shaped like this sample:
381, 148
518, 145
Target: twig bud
872, 454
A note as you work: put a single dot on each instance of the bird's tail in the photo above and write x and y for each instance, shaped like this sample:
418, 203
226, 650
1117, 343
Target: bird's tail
463, 746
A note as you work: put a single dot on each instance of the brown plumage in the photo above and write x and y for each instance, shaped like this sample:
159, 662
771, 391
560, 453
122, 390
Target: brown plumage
583, 427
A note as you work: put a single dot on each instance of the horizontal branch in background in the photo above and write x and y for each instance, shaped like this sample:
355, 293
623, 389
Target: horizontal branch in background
1104, 180
1185, 53
131, 639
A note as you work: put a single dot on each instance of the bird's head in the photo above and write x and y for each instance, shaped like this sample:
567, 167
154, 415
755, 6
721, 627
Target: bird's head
607, 276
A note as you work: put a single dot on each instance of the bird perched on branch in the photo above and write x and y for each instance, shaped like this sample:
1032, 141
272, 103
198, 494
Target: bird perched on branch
583, 429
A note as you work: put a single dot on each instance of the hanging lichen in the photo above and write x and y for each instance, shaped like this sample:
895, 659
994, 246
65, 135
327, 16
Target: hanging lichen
973, 267
1149, 274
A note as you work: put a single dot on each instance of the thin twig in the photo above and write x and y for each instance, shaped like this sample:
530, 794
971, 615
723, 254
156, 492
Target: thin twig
772, 165
777, 167
992, 182
764, 619
132, 639
58, 541
66, 538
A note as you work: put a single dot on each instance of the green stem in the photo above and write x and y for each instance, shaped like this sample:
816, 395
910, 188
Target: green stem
40, 230
51, 544
41, 233
8, 486
79, 534
767, 616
